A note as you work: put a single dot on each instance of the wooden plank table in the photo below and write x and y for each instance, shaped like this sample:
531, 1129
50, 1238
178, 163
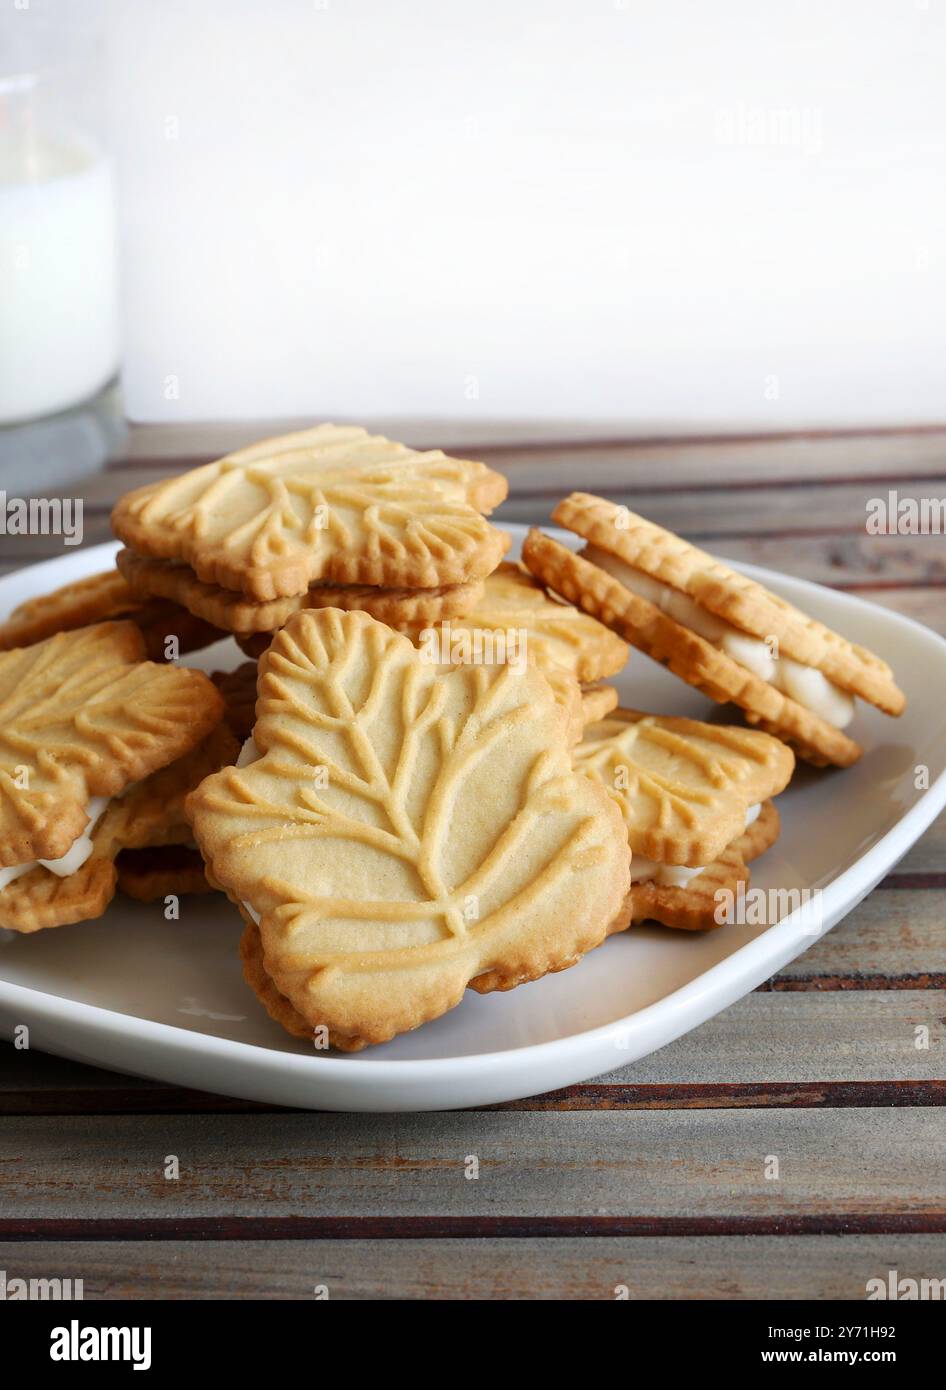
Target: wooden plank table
652, 1178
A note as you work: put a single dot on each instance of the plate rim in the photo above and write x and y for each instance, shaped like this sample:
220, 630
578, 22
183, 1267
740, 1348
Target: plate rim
692, 1003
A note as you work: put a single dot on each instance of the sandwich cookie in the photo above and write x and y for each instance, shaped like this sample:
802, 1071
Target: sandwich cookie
102, 598
397, 833
331, 504
518, 615
161, 857
517, 622
253, 623
722, 633
694, 798
153, 874
91, 736
238, 688
514, 623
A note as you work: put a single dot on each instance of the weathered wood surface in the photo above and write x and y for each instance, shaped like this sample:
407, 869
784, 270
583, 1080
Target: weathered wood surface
685, 1267
600, 455
686, 1171
651, 1176
897, 936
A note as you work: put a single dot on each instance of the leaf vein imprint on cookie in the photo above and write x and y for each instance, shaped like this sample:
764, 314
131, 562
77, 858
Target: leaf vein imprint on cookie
406, 829
343, 506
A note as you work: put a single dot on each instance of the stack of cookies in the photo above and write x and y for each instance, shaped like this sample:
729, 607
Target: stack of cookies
329, 517
420, 781
103, 598
518, 621
696, 804
98, 749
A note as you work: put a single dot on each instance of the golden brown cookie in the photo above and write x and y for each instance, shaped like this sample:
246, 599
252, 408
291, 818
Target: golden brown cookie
694, 908
332, 503
554, 634
147, 820
160, 621
255, 644
134, 846
597, 701
582, 706
150, 875
734, 597
42, 899
684, 787
568, 697
276, 1005
244, 618
148, 832
152, 811
104, 598
238, 688
83, 715
406, 832
149, 812
97, 599
686, 654
517, 622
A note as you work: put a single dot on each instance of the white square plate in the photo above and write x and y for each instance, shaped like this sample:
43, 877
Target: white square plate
167, 1000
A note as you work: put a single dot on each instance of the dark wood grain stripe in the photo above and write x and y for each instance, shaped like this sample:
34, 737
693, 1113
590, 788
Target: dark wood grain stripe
736, 1095
930, 980
131, 1100
875, 586
258, 1228
586, 1096
905, 881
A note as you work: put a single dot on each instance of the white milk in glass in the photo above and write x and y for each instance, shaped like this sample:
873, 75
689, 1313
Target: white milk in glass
58, 301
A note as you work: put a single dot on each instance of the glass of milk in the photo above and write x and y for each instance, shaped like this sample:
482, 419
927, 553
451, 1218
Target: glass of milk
58, 284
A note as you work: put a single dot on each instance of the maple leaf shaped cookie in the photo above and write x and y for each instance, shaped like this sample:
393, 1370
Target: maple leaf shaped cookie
517, 615
332, 503
556, 634
81, 715
405, 832
683, 786
104, 598
146, 819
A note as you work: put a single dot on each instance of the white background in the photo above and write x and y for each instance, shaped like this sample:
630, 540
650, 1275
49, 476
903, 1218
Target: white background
659, 213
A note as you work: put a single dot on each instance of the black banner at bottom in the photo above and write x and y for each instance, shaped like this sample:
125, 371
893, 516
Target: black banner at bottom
234, 1337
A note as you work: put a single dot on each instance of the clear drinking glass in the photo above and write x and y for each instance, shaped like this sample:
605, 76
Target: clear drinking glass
58, 281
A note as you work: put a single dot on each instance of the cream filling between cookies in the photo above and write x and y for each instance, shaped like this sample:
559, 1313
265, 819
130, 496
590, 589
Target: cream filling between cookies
74, 857
805, 685
675, 875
